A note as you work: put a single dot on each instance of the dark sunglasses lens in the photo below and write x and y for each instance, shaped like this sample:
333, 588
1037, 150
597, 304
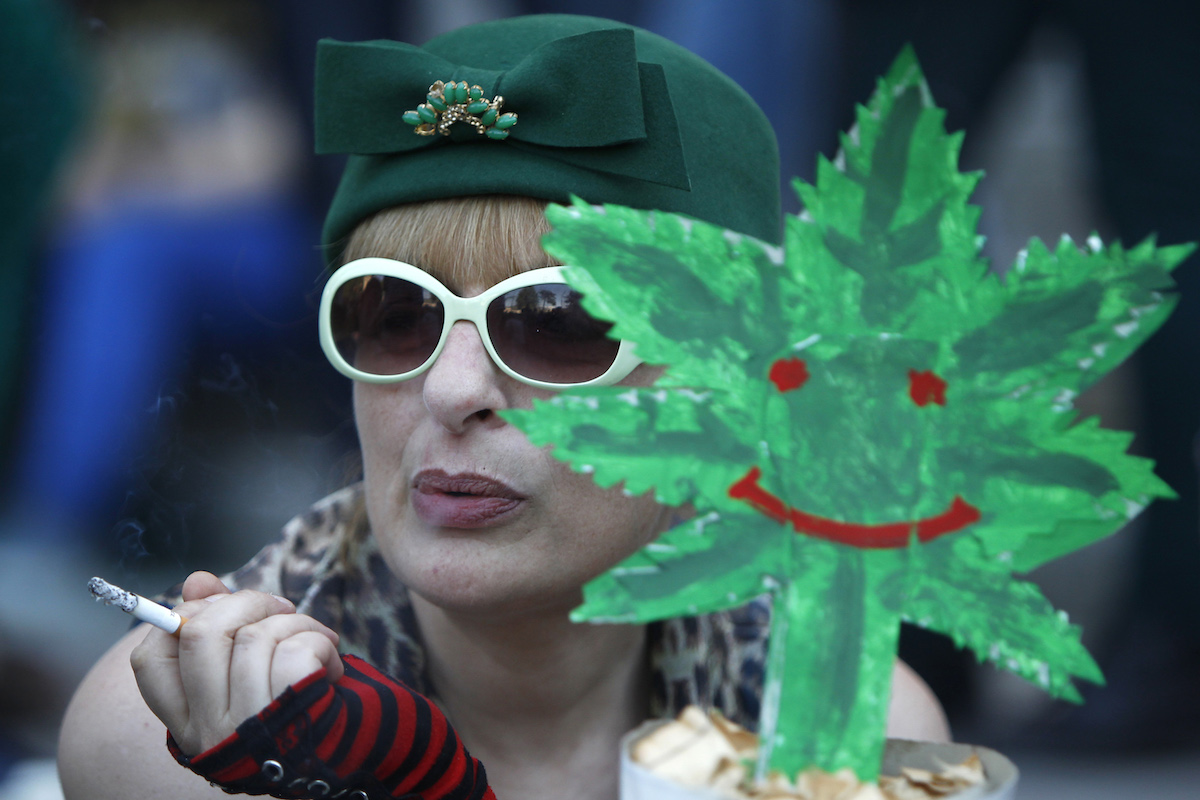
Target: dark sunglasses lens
384, 325
542, 332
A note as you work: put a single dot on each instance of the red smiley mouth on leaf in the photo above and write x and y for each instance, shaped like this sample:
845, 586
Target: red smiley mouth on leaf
959, 515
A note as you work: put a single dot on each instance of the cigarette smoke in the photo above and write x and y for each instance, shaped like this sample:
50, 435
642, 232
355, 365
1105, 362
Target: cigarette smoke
213, 466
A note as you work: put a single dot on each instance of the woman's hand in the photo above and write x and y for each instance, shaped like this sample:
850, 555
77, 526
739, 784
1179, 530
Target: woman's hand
236, 653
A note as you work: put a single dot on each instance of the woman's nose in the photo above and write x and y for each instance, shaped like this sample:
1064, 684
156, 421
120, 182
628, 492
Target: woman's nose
464, 386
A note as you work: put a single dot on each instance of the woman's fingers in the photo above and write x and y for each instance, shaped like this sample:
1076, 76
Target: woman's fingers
155, 665
155, 660
301, 655
196, 665
270, 655
206, 641
233, 656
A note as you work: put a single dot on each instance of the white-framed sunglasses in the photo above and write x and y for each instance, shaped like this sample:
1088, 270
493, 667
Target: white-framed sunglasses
384, 321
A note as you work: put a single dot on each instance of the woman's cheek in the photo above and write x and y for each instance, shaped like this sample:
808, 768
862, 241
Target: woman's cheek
620, 525
386, 415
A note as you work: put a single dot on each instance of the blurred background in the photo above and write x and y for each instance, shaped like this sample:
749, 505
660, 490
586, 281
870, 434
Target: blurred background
164, 405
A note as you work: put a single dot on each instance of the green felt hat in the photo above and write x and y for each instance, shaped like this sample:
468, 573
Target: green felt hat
605, 111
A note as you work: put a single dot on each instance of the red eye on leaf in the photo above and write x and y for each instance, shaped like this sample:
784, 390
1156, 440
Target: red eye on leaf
926, 387
788, 374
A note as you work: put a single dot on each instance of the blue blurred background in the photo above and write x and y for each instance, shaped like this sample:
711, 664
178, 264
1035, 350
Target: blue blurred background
165, 406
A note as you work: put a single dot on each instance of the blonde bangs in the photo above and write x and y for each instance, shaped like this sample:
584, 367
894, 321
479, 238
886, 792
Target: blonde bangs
462, 241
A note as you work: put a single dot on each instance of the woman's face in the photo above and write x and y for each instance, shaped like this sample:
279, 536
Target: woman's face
467, 512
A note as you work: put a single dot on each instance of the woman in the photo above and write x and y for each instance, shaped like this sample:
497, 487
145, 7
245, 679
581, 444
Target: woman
454, 566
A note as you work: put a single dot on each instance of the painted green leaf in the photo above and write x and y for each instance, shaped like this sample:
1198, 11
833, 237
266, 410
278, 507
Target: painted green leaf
702, 565
870, 425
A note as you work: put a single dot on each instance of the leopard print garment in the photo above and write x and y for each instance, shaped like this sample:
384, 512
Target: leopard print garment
326, 563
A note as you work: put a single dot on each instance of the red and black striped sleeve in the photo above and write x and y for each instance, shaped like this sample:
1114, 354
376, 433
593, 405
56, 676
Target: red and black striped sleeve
364, 737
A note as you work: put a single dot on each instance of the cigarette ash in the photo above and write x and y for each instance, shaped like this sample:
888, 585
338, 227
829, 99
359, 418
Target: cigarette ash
107, 593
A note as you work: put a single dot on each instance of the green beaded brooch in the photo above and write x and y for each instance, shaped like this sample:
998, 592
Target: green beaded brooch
448, 103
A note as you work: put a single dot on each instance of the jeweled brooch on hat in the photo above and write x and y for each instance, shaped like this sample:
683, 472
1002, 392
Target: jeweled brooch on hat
448, 103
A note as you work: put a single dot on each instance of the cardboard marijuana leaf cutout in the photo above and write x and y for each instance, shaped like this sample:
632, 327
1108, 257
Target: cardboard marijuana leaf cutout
870, 425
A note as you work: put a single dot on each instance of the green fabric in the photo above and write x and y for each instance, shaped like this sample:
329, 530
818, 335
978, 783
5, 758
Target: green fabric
41, 101
607, 112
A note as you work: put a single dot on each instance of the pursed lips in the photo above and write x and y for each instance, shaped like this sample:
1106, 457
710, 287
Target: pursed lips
462, 500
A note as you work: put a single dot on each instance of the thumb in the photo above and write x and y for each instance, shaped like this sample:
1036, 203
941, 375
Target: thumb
202, 584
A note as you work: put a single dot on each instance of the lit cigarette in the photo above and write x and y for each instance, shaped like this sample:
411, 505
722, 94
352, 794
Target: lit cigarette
146, 610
